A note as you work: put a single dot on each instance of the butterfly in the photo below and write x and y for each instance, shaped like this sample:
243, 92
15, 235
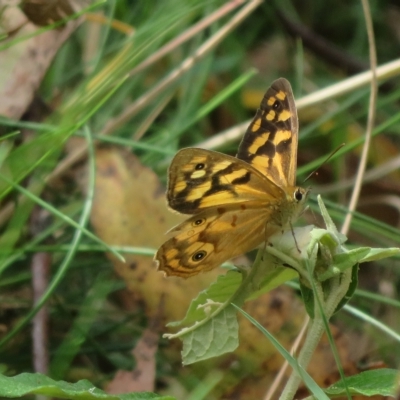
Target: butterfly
236, 203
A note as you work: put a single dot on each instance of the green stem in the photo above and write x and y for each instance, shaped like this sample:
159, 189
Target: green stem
338, 290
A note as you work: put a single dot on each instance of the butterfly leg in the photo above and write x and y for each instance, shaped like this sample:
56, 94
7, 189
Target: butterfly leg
294, 237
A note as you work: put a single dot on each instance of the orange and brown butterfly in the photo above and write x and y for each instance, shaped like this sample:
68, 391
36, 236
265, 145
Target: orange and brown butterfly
238, 202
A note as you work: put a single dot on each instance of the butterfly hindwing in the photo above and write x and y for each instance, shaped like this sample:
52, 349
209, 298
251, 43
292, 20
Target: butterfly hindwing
206, 240
200, 178
270, 142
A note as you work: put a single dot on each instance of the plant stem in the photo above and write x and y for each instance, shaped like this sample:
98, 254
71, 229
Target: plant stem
338, 290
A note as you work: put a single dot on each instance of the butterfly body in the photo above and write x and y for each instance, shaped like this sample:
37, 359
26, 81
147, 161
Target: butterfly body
237, 203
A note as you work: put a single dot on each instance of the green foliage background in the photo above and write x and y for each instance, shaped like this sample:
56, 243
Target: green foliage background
85, 96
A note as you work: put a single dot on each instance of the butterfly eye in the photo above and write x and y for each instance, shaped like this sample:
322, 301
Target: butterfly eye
199, 221
199, 166
298, 195
199, 255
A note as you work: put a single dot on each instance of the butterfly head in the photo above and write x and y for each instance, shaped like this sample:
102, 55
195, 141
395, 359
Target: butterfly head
299, 200
300, 195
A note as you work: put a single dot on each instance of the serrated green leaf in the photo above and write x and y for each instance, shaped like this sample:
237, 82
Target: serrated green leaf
384, 382
219, 292
25, 384
217, 336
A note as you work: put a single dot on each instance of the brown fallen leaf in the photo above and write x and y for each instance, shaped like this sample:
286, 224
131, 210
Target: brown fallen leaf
23, 65
129, 209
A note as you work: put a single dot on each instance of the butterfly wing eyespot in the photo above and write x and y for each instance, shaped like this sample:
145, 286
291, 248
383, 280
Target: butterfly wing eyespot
198, 256
199, 166
195, 249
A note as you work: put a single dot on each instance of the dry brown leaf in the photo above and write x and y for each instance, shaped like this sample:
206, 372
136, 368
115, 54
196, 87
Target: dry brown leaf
130, 210
23, 65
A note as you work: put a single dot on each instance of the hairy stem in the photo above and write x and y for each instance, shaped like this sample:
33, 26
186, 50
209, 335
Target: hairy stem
339, 289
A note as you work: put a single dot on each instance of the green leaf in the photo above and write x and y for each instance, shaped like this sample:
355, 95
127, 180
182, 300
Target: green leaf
217, 336
343, 261
274, 278
323, 236
352, 288
24, 384
307, 295
330, 226
219, 292
378, 254
384, 382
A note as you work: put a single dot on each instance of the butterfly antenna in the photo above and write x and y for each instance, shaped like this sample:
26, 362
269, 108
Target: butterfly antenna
324, 162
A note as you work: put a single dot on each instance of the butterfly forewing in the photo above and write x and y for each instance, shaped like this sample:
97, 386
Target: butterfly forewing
200, 179
270, 142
